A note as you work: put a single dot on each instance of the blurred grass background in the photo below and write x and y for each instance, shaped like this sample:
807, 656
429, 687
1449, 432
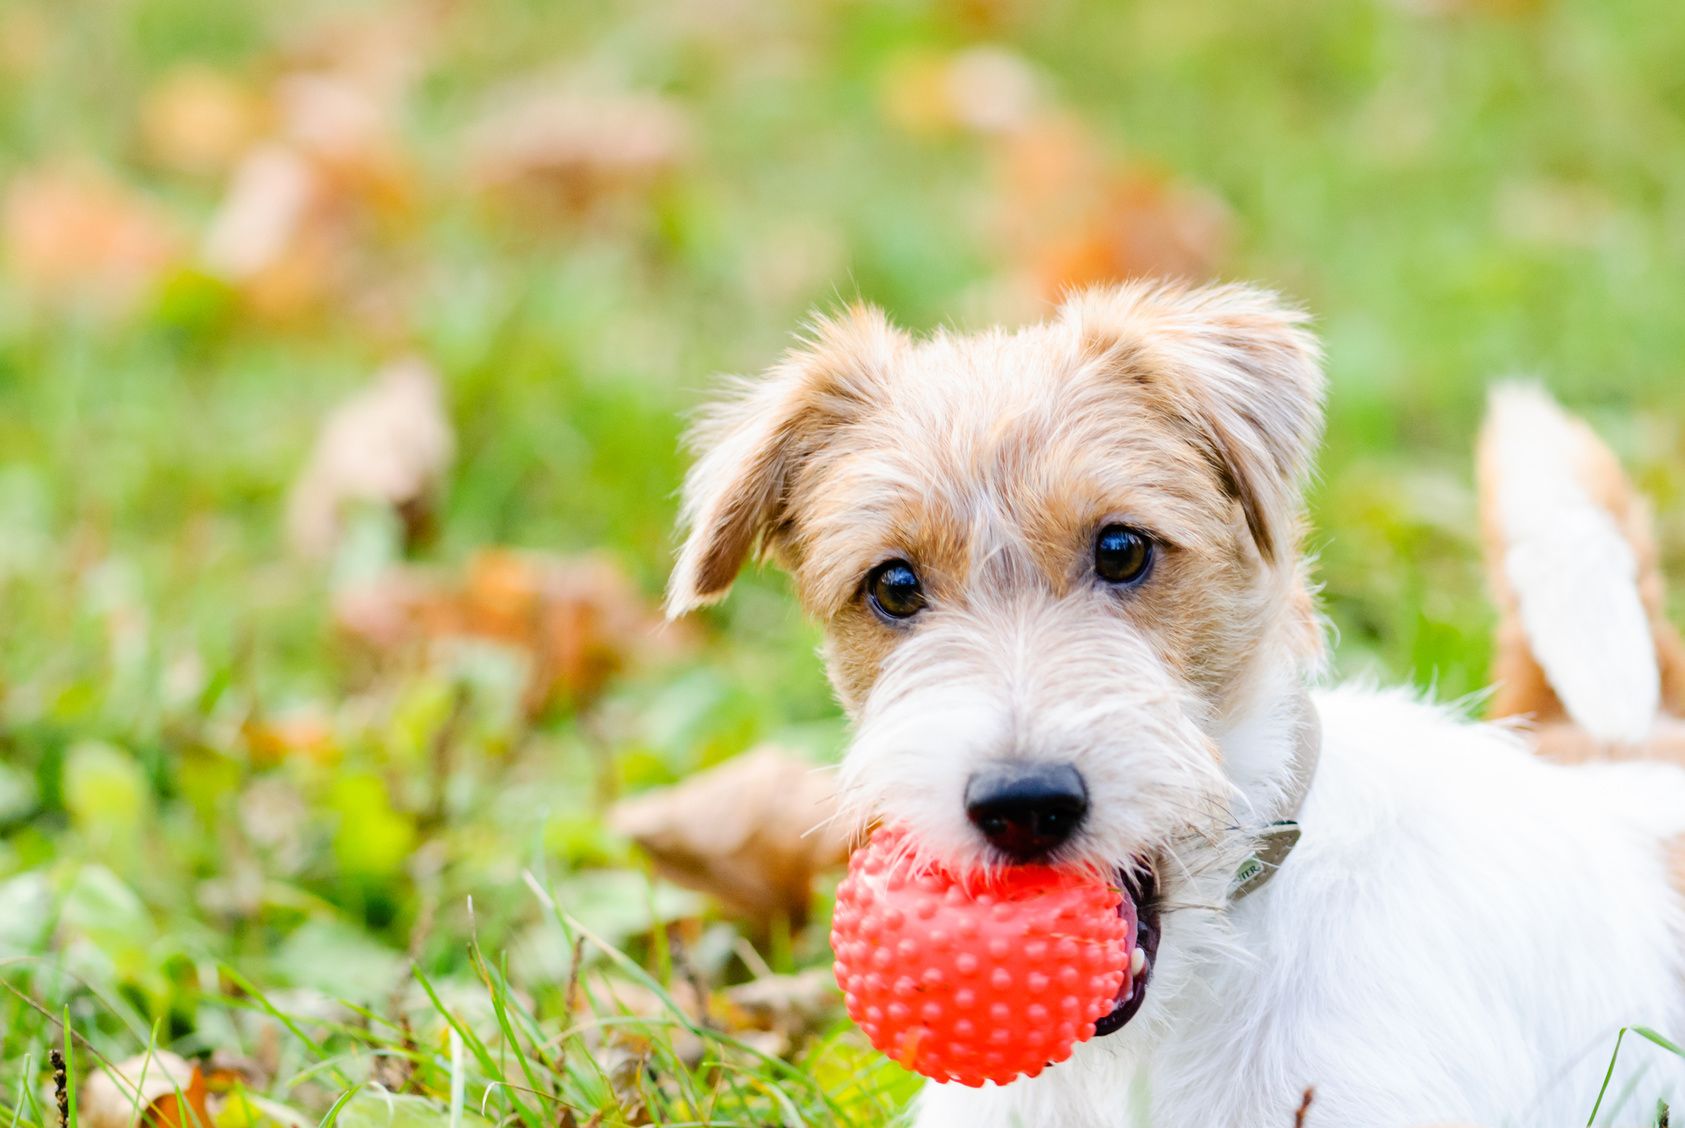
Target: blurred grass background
576, 214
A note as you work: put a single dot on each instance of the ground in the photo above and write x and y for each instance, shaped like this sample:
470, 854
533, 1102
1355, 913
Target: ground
237, 828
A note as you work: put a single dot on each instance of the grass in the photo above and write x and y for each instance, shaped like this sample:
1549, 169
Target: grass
1460, 192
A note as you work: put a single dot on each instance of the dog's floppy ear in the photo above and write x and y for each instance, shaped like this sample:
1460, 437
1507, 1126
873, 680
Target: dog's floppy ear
750, 444
1235, 364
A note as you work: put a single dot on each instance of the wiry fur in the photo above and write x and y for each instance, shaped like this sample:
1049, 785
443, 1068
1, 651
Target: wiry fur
1463, 926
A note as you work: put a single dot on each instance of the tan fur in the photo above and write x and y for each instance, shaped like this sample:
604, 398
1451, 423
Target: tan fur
1568, 743
1522, 687
991, 461
1676, 865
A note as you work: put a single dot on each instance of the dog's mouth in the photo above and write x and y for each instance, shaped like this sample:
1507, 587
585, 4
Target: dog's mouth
1139, 885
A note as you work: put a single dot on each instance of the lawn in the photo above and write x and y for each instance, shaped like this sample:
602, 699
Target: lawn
330, 824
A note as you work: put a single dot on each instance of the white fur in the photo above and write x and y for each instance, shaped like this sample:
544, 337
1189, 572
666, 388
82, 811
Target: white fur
1459, 936
1028, 676
1573, 573
1463, 927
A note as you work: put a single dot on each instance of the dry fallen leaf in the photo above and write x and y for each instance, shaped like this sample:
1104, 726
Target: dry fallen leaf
72, 234
268, 199
200, 120
307, 211
985, 90
1074, 215
351, 137
753, 832
390, 444
281, 236
274, 740
380, 49
578, 621
321, 186
543, 144
793, 1006
1146, 225
158, 1090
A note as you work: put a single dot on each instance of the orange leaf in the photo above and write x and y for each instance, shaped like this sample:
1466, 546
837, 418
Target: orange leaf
71, 233
156, 1090
272, 741
579, 622
1073, 215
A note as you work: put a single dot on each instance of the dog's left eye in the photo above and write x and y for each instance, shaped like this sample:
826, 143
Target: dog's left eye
1122, 555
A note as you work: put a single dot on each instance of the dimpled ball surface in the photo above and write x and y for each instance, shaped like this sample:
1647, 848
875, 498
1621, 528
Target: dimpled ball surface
982, 978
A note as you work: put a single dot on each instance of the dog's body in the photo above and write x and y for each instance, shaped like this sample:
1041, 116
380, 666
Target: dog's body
1066, 608
1458, 936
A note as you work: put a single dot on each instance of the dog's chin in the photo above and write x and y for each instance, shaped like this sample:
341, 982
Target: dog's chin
1139, 884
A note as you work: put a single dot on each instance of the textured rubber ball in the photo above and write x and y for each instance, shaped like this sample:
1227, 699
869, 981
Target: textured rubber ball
974, 978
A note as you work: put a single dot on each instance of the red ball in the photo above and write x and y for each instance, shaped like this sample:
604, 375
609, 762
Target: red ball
980, 977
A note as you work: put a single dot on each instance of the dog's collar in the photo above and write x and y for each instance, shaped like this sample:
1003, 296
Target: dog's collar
1275, 841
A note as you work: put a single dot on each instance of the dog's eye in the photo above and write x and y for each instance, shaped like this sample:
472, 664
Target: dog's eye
1122, 555
894, 591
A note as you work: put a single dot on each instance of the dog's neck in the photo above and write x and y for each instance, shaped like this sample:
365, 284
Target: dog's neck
1270, 740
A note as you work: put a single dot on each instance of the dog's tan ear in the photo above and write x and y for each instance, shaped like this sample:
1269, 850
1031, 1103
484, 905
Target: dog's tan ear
750, 444
1236, 365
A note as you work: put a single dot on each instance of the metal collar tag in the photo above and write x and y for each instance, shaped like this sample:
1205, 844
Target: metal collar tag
1270, 850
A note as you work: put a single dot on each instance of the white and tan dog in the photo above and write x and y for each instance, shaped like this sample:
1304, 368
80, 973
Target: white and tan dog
1061, 578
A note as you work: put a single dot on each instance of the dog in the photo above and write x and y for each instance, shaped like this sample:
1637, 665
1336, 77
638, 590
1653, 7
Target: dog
1067, 609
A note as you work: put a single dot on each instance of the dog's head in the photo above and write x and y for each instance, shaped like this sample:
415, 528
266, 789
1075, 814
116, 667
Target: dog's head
1058, 568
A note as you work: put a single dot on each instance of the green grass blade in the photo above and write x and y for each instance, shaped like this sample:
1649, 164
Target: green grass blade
332, 1115
1609, 1074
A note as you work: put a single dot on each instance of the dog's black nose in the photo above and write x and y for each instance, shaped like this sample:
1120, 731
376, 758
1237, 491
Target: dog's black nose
1026, 811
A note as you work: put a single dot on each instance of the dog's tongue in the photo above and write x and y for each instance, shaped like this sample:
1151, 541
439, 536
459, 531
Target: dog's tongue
981, 977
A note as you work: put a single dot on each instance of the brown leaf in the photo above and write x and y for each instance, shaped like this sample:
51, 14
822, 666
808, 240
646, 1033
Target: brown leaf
274, 740
351, 136
380, 49
279, 236
307, 218
984, 90
579, 621
73, 234
143, 1091
794, 1006
1074, 215
321, 197
200, 120
753, 832
544, 144
390, 444
1148, 225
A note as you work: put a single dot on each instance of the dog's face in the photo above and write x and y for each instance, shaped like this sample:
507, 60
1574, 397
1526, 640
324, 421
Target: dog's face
1055, 566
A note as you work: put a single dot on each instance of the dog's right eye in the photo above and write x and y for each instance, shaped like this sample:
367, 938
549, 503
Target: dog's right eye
894, 591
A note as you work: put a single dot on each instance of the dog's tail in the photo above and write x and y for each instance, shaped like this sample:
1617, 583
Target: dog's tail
1573, 565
